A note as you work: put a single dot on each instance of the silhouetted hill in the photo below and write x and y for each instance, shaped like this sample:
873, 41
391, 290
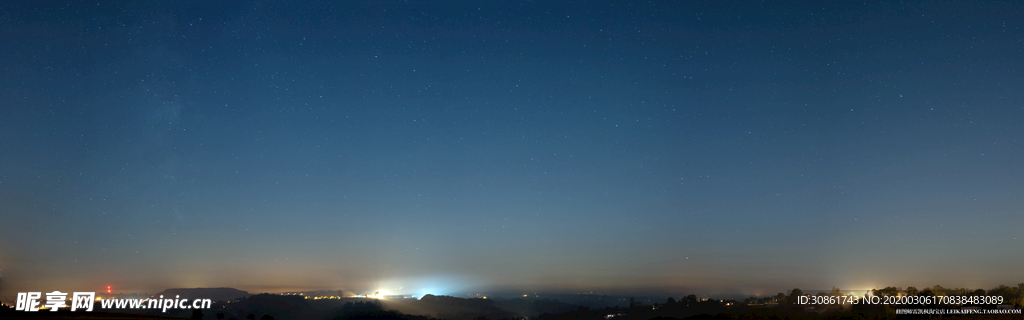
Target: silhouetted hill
278, 306
533, 307
215, 294
379, 315
449, 301
453, 308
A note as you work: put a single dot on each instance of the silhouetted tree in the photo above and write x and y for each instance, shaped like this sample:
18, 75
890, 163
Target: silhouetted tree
885, 292
1008, 293
911, 291
794, 295
251, 317
978, 293
220, 316
197, 314
927, 293
691, 299
266, 317
671, 301
1020, 294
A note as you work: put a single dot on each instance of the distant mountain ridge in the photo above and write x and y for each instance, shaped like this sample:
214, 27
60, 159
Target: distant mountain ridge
215, 294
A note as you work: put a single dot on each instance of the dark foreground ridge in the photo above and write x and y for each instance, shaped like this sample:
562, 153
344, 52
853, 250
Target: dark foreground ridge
429, 307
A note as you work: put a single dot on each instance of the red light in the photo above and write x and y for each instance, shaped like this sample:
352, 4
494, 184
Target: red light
108, 289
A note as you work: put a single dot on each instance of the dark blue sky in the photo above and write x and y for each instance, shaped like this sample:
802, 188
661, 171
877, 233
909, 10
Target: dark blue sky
446, 147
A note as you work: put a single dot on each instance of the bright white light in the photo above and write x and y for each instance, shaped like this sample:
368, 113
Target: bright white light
417, 287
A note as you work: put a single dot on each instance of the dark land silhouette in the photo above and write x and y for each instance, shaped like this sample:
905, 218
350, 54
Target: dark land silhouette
780, 306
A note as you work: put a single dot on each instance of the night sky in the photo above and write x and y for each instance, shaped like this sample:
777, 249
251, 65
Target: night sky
450, 147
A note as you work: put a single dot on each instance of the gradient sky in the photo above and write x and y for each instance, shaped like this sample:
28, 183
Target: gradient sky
444, 147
